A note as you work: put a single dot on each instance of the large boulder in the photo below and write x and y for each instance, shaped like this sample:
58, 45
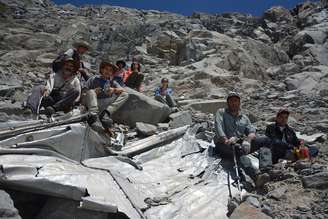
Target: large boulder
278, 13
317, 181
308, 82
7, 208
247, 211
140, 108
145, 130
298, 43
180, 119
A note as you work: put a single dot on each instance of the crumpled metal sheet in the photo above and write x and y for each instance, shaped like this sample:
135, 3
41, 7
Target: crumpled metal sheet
191, 187
59, 178
177, 180
74, 141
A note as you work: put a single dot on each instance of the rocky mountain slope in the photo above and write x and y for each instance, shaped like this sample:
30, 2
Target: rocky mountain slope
279, 59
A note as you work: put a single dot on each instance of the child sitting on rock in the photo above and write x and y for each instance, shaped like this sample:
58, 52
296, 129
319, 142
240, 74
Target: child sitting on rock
105, 95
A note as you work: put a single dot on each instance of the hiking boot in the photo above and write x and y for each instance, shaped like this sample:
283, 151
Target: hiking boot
92, 118
105, 120
246, 180
262, 179
49, 111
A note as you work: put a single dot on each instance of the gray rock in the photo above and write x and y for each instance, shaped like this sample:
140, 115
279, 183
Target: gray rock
208, 106
299, 42
303, 208
278, 193
289, 97
246, 211
7, 91
278, 13
316, 181
7, 208
307, 82
145, 130
180, 119
253, 201
267, 210
163, 126
11, 108
322, 126
140, 108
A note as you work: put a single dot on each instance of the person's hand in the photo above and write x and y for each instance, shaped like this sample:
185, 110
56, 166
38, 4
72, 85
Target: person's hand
111, 91
246, 147
82, 71
118, 90
45, 92
97, 91
233, 140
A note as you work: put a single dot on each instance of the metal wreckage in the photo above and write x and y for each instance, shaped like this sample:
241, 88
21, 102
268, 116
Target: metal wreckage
64, 169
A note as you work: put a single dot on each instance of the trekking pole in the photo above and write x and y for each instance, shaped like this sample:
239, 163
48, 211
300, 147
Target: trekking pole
38, 108
236, 168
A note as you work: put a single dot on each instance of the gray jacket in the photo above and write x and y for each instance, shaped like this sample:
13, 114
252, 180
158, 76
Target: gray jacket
227, 125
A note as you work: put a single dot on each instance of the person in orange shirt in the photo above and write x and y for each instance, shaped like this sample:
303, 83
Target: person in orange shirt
133, 77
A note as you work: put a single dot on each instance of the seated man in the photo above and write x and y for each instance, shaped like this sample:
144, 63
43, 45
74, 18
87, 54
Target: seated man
283, 137
60, 93
134, 78
232, 124
105, 95
164, 93
79, 48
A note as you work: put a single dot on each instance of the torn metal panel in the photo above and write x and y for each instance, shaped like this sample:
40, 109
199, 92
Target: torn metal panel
59, 178
21, 129
173, 187
176, 180
146, 144
74, 141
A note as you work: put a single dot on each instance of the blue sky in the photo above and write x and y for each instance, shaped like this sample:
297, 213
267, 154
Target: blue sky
186, 7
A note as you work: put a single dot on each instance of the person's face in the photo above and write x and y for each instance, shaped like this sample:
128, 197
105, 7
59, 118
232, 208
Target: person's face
82, 50
120, 66
135, 67
233, 104
165, 84
69, 67
106, 71
282, 119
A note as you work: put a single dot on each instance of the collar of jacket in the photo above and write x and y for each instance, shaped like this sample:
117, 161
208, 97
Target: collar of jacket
239, 113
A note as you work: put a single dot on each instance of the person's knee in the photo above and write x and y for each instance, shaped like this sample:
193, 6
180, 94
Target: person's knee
262, 141
158, 98
124, 96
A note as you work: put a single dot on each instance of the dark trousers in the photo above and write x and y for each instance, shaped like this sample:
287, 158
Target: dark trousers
263, 144
60, 103
167, 99
279, 149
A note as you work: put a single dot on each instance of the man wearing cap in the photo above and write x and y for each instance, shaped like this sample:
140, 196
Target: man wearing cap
60, 93
164, 94
105, 96
232, 124
283, 136
79, 48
